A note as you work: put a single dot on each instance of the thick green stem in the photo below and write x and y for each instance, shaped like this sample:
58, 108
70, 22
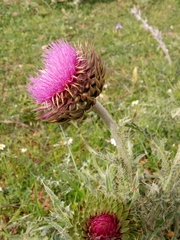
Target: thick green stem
113, 128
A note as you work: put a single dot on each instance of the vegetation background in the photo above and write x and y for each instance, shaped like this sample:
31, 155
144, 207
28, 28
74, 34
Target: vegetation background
142, 90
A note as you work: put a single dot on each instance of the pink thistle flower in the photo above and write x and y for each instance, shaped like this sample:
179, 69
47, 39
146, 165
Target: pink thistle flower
60, 62
104, 227
101, 217
68, 84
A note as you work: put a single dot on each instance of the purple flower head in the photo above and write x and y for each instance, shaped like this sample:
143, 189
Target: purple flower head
68, 84
59, 62
118, 26
104, 226
102, 217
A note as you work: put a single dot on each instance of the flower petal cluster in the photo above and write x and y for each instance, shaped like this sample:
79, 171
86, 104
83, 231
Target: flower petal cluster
59, 68
103, 218
104, 226
68, 84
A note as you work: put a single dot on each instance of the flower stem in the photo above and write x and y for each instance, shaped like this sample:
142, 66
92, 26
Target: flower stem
113, 128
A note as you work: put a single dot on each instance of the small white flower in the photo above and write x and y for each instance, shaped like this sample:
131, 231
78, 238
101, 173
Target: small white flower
2, 146
169, 91
101, 96
106, 85
136, 102
1, 189
56, 145
23, 150
113, 142
69, 142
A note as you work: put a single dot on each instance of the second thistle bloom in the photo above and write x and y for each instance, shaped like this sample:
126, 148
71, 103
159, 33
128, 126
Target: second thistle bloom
68, 84
104, 226
101, 217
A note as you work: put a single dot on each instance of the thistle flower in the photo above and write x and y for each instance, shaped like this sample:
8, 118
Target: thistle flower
68, 84
104, 226
103, 218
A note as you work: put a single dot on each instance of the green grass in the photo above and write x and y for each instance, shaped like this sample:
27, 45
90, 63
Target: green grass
25, 27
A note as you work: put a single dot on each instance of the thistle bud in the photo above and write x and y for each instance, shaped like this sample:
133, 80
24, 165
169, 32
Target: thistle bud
104, 226
103, 218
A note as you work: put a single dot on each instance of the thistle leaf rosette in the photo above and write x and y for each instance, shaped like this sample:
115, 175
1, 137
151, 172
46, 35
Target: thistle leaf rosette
68, 84
103, 218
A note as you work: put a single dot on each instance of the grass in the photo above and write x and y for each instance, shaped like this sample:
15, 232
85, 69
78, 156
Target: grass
27, 26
